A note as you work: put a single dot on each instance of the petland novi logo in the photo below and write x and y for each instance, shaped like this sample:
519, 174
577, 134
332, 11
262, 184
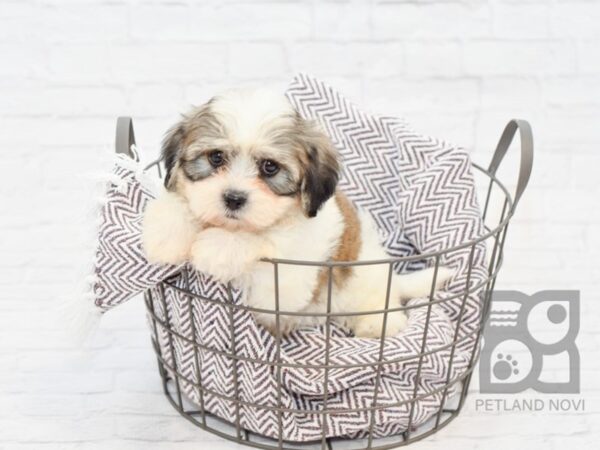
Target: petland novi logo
529, 343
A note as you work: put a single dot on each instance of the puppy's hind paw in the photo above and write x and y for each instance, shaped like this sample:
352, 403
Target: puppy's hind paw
444, 274
371, 326
418, 284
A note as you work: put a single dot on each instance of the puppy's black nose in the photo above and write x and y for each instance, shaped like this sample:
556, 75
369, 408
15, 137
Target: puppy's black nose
234, 199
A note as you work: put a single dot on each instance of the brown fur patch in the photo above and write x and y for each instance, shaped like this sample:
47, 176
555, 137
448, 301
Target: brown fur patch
348, 247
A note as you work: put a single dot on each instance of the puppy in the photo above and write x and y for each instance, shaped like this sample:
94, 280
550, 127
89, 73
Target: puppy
248, 178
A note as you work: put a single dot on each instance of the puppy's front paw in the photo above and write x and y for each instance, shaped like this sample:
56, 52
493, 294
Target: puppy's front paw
168, 230
370, 326
226, 255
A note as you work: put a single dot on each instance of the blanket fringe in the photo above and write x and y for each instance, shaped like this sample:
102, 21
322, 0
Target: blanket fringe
77, 310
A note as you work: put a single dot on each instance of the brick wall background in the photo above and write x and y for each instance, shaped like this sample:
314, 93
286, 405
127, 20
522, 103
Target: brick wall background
456, 69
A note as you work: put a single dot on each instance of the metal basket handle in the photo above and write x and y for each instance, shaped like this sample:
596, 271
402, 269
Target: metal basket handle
526, 154
125, 137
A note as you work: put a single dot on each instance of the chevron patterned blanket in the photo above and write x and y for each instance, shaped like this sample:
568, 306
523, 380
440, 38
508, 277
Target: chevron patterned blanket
420, 191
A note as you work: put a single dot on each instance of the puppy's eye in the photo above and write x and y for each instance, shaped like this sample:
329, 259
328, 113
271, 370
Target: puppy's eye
216, 158
268, 167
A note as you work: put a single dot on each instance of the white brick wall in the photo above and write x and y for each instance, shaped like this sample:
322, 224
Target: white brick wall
456, 69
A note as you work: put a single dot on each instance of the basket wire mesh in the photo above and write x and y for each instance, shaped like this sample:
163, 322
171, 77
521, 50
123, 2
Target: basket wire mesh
494, 237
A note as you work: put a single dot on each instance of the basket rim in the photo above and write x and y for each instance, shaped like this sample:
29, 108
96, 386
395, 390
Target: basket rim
506, 216
423, 304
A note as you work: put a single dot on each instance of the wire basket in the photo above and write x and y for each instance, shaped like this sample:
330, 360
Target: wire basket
172, 376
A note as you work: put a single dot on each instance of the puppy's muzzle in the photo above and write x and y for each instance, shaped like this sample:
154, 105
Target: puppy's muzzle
234, 200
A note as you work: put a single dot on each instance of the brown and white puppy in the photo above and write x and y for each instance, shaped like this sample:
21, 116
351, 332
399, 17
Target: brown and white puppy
248, 178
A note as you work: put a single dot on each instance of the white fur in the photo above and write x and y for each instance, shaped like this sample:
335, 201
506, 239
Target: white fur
235, 256
247, 114
315, 240
168, 230
228, 255
300, 239
195, 225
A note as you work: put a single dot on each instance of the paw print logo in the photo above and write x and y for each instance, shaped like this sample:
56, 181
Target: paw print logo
505, 367
510, 361
526, 333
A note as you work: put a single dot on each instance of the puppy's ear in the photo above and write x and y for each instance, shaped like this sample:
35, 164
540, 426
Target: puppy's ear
171, 151
321, 173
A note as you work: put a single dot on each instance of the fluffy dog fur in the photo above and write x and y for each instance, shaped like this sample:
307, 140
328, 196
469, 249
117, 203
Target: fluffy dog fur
248, 178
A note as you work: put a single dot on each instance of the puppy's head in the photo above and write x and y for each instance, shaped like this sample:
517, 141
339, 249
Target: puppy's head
247, 160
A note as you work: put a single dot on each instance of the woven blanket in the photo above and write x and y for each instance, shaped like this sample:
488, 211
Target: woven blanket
420, 192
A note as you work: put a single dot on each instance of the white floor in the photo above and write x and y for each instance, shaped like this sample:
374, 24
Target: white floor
110, 397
